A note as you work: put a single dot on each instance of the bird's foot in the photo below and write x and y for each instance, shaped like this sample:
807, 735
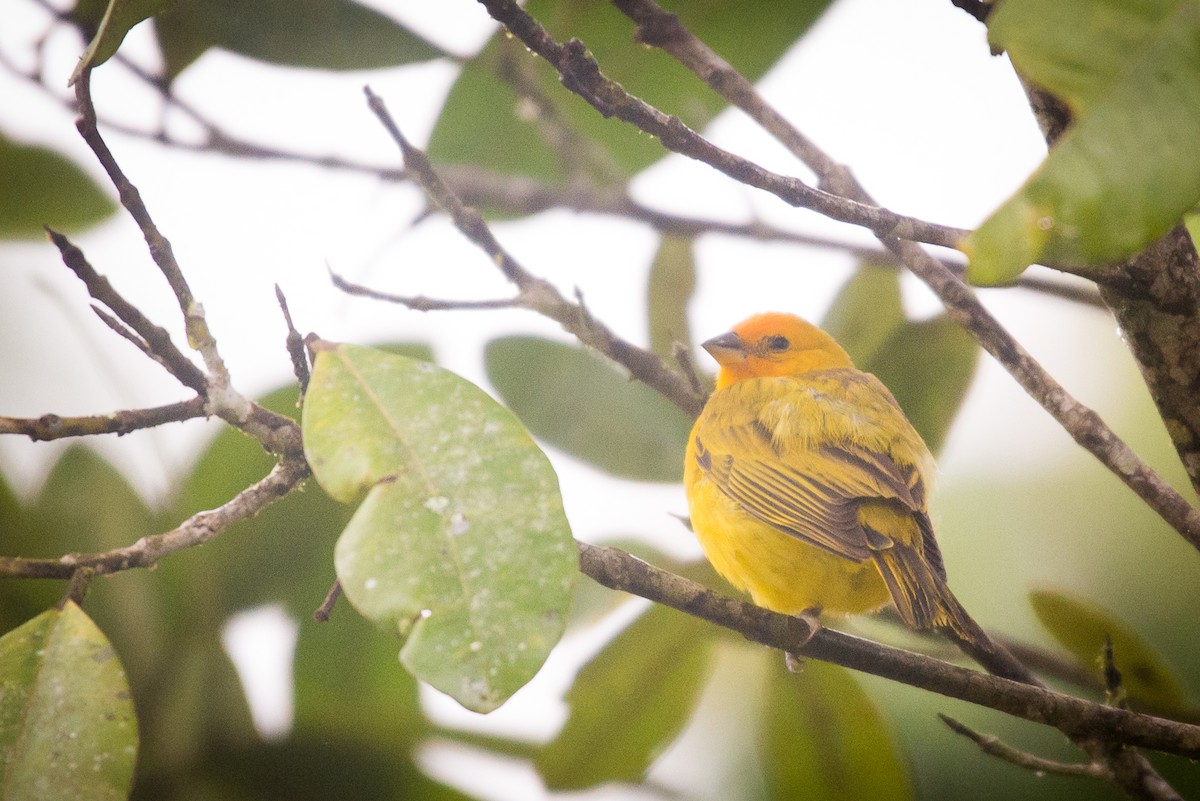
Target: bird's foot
811, 616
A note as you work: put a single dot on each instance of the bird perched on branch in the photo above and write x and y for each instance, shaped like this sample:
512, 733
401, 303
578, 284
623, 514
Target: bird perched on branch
808, 487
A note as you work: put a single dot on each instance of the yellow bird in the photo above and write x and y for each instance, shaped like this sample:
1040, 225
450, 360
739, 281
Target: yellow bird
808, 486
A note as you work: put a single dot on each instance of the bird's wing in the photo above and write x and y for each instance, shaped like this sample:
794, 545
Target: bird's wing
790, 477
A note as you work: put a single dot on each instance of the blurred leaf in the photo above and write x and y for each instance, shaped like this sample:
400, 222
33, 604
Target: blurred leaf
321, 34
196, 700
110, 23
576, 401
487, 123
461, 545
672, 282
43, 188
1123, 174
928, 366
67, 727
303, 768
347, 663
630, 702
87, 505
866, 311
823, 738
1082, 627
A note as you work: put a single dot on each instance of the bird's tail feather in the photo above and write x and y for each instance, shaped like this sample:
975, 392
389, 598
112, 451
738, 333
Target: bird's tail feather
925, 601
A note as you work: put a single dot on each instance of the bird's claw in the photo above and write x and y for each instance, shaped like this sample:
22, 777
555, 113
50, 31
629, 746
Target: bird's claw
811, 616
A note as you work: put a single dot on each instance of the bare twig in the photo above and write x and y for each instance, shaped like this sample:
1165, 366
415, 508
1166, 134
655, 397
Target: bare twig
196, 530
322, 612
992, 745
158, 344
420, 302
581, 75
295, 344
533, 292
53, 426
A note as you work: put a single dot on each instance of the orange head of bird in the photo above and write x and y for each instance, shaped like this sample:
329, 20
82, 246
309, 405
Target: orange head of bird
771, 345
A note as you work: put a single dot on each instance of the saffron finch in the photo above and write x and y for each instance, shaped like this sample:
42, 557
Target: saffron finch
807, 487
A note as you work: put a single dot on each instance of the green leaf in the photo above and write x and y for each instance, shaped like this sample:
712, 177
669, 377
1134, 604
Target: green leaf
322, 34
928, 366
487, 123
118, 18
672, 282
579, 402
67, 727
866, 312
1125, 171
822, 737
42, 188
461, 545
1082, 627
630, 702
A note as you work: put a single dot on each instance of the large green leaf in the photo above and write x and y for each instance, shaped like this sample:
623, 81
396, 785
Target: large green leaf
576, 401
460, 545
67, 727
322, 34
866, 312
1125, 171
485, 121
928, 365
109, 22
42, 188
1083, 627
672, 282
823, 738
630, 702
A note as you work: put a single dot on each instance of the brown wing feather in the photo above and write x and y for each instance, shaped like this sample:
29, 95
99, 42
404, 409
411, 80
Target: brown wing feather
810, 492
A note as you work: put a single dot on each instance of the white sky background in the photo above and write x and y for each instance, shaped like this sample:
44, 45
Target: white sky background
905, 93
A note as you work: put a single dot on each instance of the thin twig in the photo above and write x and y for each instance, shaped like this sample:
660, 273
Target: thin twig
158, 343
294, 344
421, 302
993, 746
581, 75
322, 612
53, 426
534, 292
196, 530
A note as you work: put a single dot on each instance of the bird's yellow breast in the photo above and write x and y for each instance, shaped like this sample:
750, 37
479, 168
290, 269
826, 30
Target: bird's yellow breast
781, 572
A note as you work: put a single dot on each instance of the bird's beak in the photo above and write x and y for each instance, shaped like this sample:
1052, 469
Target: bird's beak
726, 348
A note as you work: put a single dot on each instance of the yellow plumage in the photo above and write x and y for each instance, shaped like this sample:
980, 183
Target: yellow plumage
807, 485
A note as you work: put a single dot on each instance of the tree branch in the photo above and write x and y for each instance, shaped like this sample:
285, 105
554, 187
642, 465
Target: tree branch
533, 292
196, 530
1075, 717
53, 426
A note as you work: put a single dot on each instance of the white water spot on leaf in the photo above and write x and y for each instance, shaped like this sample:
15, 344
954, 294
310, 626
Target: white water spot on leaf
437, 504
458, 524
371, 583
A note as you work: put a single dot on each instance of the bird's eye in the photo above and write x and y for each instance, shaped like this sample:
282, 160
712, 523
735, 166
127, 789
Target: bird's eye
778, 343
